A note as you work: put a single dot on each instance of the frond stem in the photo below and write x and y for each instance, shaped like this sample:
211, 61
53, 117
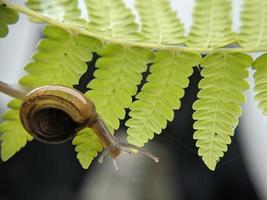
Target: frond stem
108, 39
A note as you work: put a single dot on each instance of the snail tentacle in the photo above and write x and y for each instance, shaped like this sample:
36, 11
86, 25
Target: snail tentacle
104, 154
126, 147
115, 164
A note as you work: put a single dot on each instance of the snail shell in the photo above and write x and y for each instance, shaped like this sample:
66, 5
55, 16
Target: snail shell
54, 114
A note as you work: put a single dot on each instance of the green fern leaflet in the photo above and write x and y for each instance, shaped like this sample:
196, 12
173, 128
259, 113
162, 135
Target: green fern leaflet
260, 79
212, 22
160, 95
8, 16
112, 18
159, 22
60, 58
254, 24
87, 147
219, 104
63, 10
13, 136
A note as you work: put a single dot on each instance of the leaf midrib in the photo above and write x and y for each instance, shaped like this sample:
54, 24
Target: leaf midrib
214, 124
155, 10
211, 22
262, 25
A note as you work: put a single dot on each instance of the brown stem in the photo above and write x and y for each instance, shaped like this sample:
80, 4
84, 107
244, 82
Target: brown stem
12, 91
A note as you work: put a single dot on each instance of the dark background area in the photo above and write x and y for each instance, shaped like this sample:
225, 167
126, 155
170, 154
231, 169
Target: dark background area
52, 172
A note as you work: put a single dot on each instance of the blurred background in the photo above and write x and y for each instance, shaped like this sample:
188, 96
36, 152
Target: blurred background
52, 172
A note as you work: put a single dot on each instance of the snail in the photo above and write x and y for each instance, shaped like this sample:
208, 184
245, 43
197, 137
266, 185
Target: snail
54, 114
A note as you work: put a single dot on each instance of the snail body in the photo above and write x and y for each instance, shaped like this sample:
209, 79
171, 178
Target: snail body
54, 114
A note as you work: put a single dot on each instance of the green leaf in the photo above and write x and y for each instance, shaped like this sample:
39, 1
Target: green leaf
118, 73
14, 136
260, 79
61, 58
212, 22
159, 22
112, 18
8, 16
219, 103
254, 24
160, 95
63, 10
87, 146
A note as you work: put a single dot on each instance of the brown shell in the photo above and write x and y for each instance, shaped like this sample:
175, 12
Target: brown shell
54, 114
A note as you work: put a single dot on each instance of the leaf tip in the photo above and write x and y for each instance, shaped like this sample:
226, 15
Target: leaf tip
211, 164
6, 155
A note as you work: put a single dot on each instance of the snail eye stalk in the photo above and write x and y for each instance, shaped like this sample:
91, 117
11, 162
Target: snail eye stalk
125, 148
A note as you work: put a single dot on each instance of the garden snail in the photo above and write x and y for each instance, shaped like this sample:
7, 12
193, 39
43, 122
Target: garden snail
54, 114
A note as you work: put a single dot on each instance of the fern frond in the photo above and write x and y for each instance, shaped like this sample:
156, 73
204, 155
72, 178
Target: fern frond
219, 104
61, 58
8, 16
63, 10
87, 146
211, 24
112, 18
254, 24
160, 95
143, 44
260, 79
119, 72
13, 136
159, 22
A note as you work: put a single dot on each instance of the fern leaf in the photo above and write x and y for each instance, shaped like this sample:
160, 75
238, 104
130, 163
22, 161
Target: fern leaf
159, 22
254, 24
116, 79
63, 10
211, 24
61, 58
112, 18
260, 79
14, 136
87, 147
8, 16
160, 95
219, 104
